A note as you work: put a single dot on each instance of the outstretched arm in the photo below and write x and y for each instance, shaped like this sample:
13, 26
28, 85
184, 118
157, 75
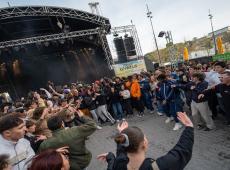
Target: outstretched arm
48, 94
56, 93
180, 155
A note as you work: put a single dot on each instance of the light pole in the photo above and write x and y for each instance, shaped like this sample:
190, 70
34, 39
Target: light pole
170, 46
213, 34
149, 15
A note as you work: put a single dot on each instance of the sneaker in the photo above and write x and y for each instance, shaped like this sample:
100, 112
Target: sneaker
123, 119
151, 111
142, 114
160, 114
168, 120
139, 115
177, 126
99, 127
117, 121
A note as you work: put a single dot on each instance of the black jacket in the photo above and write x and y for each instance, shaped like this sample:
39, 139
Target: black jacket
176, 159
90, 102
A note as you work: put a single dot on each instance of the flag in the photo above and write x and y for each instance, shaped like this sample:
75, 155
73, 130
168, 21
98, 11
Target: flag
220, 45
186, 56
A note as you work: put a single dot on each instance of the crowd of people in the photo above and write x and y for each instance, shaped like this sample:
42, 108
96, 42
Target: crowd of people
48, 128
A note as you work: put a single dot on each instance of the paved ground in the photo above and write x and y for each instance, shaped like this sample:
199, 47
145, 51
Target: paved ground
211, 149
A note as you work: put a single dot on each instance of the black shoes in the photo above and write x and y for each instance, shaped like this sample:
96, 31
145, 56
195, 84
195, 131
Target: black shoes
207, 129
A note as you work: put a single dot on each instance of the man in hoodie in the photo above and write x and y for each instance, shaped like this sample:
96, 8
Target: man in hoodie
12, 143
170, 99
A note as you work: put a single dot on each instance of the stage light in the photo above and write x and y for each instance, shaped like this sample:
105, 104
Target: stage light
66, 29
62, 41
115, 34
161, 34
126, 35
59, 24
46, 44
91, 37
17, 48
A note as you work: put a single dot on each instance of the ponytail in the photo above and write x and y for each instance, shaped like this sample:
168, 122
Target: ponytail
122, 139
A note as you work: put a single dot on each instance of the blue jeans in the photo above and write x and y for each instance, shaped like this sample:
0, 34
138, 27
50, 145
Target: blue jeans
147, 100
160, 108
172, 107
117, 111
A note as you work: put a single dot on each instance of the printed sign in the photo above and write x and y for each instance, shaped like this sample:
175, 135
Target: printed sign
129, 68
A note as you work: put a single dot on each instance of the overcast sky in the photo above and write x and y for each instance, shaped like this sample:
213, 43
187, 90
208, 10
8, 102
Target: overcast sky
185, 18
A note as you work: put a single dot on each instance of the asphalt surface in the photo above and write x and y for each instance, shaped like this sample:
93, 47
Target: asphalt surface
211, 149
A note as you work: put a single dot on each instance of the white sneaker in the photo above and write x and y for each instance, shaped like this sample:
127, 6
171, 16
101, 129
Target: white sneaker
152, 111
160, 114
117, 121
168, 120
177, 126
99, 127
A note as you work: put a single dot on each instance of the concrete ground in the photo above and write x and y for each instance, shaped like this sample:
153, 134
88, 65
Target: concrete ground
211, 149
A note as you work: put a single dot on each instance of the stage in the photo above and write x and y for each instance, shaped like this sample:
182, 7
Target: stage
62, 45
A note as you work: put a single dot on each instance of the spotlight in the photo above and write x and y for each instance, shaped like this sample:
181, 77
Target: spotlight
59, 24
161, 34
62, 41
46, 44
115, 34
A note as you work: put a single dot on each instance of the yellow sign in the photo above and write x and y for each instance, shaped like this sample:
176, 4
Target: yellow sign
129, 68
186, 56
220, 46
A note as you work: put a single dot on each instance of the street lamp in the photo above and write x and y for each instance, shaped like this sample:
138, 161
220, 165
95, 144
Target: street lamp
149, 15
213, 34
169, 45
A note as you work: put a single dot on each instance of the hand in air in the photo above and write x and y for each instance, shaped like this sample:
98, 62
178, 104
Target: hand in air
200, 96
123, 125
185, 120
102, 157
63, 150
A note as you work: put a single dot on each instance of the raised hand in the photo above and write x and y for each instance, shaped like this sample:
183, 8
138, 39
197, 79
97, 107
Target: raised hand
102, 157
184, 119
200, 96
123, 125
63, 150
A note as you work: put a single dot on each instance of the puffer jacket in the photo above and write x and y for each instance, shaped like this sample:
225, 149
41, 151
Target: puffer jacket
135, 90
20, 152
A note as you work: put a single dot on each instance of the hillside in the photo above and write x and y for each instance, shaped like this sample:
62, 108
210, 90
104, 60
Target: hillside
204, 43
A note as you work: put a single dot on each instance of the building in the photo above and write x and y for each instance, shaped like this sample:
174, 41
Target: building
220, 31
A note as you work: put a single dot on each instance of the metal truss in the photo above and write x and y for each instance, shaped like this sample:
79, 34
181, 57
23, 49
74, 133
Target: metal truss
133, 32
12, 12
75, 34
106, 48
50, 37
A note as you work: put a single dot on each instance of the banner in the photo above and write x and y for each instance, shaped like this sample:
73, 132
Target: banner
225, 56
129, 68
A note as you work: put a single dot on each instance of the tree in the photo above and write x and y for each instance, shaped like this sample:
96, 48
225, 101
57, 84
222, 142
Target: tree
208, 45
226, 37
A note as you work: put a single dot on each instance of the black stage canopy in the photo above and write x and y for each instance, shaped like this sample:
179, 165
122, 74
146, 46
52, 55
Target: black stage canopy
32, 21
41, 43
